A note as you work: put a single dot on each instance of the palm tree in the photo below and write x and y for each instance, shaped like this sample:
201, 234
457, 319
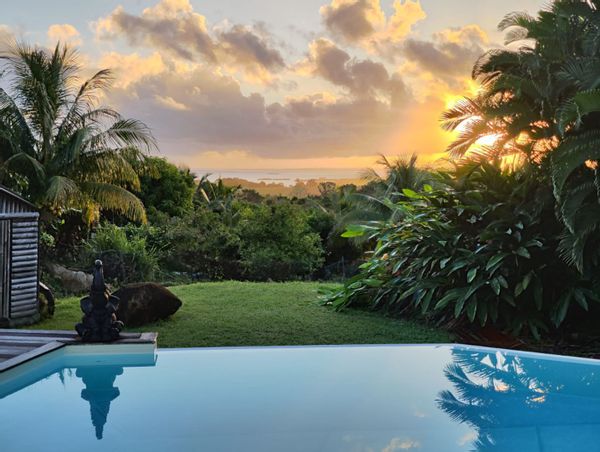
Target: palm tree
218, 197
62, 149
374, 201
540, 100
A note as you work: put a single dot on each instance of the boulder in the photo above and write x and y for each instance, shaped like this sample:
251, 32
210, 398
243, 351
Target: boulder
143, 303
72, 281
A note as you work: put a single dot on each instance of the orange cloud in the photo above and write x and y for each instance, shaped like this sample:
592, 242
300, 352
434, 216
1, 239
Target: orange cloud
65, 34
131, 68
406, 15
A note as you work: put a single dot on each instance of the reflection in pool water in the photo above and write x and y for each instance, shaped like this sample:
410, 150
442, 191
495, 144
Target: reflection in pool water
99, 392
517, 403
338, 399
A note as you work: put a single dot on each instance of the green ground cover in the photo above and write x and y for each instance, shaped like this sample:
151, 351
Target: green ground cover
249, 314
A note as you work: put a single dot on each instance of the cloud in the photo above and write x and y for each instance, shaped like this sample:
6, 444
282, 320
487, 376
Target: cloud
131, 68
170, 103
406, 15
247, 48
451, 53
174, 26
170, 25
198, 109
362, 78
364, 23
207, 160
397, 444
467, 438
353, 20
65, 34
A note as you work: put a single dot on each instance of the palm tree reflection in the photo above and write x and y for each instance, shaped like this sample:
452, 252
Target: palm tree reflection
514, 402
99, 391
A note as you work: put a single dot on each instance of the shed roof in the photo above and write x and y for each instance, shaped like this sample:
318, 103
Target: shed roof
5, 191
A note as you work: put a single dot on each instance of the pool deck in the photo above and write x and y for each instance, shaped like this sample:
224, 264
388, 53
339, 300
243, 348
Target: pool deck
20, 346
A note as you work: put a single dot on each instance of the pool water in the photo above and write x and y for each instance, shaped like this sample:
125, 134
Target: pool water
357, 398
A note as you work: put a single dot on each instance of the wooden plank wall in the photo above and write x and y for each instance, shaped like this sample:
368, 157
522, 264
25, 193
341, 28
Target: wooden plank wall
24, 269
4, 268
20, 268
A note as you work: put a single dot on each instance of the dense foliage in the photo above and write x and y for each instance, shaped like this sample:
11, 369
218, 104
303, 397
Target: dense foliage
265, 241
124, 251
540, 99
165, 188
277, 243
510, 237
480, 248
200, 244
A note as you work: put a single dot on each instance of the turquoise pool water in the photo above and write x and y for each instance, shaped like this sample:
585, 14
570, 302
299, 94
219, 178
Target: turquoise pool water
363, 398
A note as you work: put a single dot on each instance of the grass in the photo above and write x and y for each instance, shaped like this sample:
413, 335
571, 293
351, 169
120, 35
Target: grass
247, 314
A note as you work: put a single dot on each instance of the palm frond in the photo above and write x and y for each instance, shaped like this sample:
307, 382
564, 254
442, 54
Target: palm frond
25, 164
571, 155
81, 107
124, 133
108, 166
517, 19
112, 197
62, 192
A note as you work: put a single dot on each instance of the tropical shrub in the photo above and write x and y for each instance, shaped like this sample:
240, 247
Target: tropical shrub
276, 242
165, 188
124, 252
482, 248
199, 243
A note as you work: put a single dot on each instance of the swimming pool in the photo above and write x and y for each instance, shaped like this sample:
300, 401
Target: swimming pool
356, 398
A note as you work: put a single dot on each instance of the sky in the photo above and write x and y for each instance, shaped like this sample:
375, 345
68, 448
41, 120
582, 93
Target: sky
273, 84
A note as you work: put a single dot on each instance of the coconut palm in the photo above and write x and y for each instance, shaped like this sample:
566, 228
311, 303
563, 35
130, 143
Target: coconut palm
61, 147
540, 99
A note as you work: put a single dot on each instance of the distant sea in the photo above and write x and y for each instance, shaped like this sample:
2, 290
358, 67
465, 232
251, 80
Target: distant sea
282, 176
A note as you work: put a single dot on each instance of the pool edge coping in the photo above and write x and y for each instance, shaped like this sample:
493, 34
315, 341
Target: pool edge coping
147, 338
529, 353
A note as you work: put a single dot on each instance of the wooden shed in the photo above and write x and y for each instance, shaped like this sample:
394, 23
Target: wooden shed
19, 264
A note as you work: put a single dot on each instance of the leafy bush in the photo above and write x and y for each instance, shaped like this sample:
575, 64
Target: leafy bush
165, 188
200, 243
482, 248
124, 252
276, 242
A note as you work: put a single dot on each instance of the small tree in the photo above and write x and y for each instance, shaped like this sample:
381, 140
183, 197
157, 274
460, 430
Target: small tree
276, 242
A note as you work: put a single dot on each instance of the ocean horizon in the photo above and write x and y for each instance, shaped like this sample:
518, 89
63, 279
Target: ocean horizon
281, 176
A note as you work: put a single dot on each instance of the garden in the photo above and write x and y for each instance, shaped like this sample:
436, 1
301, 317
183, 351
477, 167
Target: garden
501, 239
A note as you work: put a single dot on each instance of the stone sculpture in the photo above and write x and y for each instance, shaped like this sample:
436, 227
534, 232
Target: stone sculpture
99, 322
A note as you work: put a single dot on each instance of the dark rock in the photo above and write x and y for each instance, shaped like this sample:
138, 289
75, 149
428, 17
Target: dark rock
143, 303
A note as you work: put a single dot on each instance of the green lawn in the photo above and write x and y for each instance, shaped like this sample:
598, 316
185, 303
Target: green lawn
243, 314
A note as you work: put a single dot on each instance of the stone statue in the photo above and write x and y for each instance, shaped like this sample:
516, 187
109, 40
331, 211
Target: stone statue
99, 322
